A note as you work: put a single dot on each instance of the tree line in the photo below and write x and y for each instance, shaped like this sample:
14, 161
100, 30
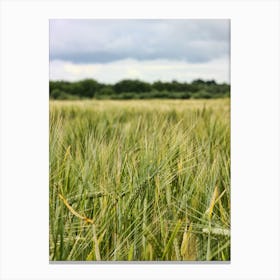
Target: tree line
136, 89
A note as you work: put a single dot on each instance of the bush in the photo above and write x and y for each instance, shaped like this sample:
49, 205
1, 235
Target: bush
202, 94
105, 91
56, 93
61, 95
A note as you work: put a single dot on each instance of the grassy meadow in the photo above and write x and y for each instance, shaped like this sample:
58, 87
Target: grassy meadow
139, 180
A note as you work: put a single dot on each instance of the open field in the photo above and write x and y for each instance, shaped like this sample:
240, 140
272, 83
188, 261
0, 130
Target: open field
139, 180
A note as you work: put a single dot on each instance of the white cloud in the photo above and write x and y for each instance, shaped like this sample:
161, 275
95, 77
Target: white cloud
151, 70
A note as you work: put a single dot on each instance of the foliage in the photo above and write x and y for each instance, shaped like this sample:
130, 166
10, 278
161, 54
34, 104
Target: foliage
135, 86
136, 89
139, 180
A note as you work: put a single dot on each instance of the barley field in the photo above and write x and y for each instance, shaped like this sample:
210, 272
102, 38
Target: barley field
139, 180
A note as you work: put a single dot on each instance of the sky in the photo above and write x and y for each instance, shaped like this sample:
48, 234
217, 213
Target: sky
150, 50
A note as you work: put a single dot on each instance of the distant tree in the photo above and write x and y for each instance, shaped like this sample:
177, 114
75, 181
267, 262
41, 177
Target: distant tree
127, 89
211, 82
132, 86
106, 91
88, 87
158, 85
55, 93
198, 82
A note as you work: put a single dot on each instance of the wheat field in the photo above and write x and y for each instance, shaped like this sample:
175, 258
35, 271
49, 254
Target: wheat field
139, 180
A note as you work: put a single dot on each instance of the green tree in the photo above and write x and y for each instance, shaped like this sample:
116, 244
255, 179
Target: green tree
88, 87
132, 86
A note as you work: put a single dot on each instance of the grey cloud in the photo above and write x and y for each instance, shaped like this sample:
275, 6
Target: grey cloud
102, 41
86, 57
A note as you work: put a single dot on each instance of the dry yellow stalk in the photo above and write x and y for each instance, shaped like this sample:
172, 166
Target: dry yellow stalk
209, 211
87, 220
75, 213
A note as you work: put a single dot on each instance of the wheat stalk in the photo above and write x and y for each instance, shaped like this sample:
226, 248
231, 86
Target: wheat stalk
75, 213
86, 219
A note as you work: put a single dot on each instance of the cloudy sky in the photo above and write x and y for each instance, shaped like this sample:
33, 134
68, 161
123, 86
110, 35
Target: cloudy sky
149, 50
